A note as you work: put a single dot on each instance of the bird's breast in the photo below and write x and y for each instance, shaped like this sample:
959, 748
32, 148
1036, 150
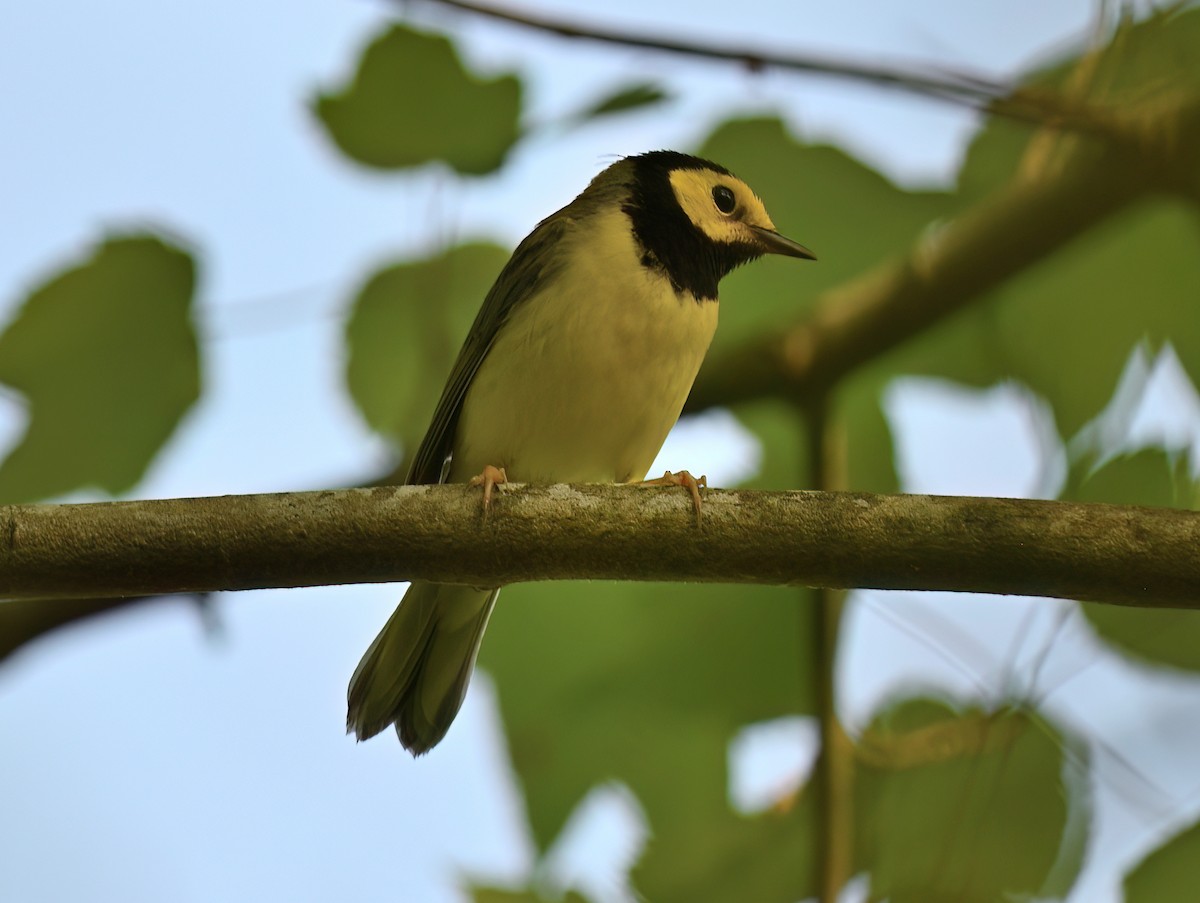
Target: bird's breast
586, 378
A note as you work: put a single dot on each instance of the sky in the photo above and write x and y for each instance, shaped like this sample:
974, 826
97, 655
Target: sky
158, 754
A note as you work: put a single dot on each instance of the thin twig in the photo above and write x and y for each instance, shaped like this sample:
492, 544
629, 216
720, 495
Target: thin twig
965, 89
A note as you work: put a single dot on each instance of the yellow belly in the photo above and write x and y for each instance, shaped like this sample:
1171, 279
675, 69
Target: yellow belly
585, 380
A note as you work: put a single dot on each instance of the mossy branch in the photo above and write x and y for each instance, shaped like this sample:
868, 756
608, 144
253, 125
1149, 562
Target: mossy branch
1123, 555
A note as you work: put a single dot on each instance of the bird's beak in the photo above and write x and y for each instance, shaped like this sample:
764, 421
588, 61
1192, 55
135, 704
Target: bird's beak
774, 243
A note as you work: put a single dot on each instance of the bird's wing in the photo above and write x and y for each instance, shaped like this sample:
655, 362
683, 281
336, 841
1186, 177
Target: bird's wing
531, 265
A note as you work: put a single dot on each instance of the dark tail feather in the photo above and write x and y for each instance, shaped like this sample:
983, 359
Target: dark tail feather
415, 673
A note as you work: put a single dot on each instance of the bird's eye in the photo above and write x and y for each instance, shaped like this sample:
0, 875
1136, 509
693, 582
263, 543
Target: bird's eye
724, 199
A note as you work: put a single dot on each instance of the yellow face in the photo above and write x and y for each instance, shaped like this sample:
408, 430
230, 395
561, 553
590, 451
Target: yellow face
722, 207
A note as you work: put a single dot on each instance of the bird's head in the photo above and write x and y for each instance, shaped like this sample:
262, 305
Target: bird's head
724, 208
696, 221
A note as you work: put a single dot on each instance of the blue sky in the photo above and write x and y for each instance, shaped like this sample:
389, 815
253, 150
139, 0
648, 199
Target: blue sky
146, 758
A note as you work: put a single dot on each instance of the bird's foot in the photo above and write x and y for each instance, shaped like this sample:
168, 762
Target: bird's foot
682, 478
489, 480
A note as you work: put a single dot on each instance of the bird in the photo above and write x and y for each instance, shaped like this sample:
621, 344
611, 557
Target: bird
575, 369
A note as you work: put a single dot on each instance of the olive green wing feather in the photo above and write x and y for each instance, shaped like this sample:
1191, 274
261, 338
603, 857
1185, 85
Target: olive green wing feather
531, 266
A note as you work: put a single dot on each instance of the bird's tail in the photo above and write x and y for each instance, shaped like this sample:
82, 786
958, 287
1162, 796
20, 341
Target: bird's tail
415, 673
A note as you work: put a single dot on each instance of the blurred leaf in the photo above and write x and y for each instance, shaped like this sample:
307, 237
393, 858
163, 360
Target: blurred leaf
1151, 477
771, 856
646, 684
1077, 778
1067, 327
105, 356
626, 98
961, 805
784, 437
1107, 434
863, 434
1170, 874
412, 102
499, 895
961, 348
407, 325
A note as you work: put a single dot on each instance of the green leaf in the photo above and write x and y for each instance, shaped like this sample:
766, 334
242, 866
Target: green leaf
784, 437
629, 97
1159, 636
1067, 327
526, 895
772, 856
412, 101
1151, 476
104, 354
863, 434
961, 805
646, 684
1170, 874
405, 330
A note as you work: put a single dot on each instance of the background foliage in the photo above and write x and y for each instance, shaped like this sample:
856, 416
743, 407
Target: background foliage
954, 798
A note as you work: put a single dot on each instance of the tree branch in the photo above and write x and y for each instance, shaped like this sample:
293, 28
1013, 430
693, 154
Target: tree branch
1124, 555
967, 89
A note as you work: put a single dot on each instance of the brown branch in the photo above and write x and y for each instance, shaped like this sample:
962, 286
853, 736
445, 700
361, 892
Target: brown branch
972, 90
1035, 216
967, 89
1131, 556
960, 88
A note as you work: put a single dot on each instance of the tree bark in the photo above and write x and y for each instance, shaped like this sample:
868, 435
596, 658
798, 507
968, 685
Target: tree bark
1124, 555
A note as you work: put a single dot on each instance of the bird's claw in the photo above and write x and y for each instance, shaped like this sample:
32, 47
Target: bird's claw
682, 478
489, 479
